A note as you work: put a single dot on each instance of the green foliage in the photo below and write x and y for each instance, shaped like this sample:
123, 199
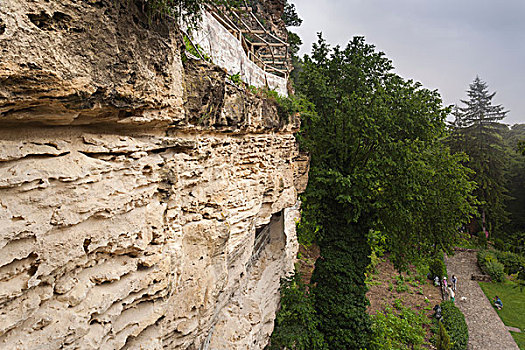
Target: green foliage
188, 12
340, 289
521, 147
294, 105
295, 43
514, 180
236, 79
495, 270
400, 284
512, 262
443, 339
377, 243
489, 264
290, 16
499, 244
482, 239
377, 163
398, 304
296, 322
372, 267
195, 50
391, 331
455, 325
422, 271
401, 287
375, 150
292, 19
437, 267
478, 133
288, 106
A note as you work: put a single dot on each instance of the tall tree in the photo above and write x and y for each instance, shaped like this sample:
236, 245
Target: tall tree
292, 19
377, 163
478, 133
515, 181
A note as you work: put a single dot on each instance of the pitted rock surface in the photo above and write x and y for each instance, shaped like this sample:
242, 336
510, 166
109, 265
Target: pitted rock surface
486, 330
132, 187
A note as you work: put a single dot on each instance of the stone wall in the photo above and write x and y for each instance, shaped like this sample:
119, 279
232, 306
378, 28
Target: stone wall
131, 187
226, 51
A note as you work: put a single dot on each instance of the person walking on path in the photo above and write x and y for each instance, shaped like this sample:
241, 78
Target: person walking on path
444, 286
454, 282
451, 294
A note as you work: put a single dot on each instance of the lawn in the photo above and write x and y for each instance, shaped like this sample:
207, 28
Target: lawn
512, 313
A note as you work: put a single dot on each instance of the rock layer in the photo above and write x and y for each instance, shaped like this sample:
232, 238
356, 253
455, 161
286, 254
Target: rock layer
133, 187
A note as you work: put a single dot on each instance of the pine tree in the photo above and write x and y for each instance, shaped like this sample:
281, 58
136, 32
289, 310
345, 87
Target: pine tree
479, 109
477, 132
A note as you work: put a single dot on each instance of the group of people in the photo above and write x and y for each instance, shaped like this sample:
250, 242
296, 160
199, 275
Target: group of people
450, 291
446, 290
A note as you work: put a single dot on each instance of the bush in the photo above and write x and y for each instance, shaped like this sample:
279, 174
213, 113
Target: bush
437, 267
455, 325
392, 332
483, 256
489, 264
511, 261
371, 269
443, 339
495, 270
500, 244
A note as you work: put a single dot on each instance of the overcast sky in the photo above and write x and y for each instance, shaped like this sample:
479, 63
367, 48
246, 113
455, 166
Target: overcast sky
443, 44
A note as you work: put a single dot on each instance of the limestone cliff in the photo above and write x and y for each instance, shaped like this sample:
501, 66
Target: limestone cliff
144, 203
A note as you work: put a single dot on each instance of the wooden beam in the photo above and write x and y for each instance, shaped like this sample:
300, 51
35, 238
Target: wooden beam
254, 31
276, 62
272, 56
270, 44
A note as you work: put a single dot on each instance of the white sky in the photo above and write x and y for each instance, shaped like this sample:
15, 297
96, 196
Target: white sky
443, 44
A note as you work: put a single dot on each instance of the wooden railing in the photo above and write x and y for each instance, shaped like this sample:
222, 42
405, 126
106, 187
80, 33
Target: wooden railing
268, 51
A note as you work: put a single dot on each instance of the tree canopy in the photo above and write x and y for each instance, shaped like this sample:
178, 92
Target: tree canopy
376, 148
377, 163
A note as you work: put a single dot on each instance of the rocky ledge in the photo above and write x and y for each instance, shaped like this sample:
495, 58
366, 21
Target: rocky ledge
144, 203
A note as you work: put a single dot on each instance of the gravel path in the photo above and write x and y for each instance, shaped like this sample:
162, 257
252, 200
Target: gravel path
486, 330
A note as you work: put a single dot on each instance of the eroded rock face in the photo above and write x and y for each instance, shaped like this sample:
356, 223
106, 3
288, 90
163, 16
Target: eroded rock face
128, 218
84, 62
